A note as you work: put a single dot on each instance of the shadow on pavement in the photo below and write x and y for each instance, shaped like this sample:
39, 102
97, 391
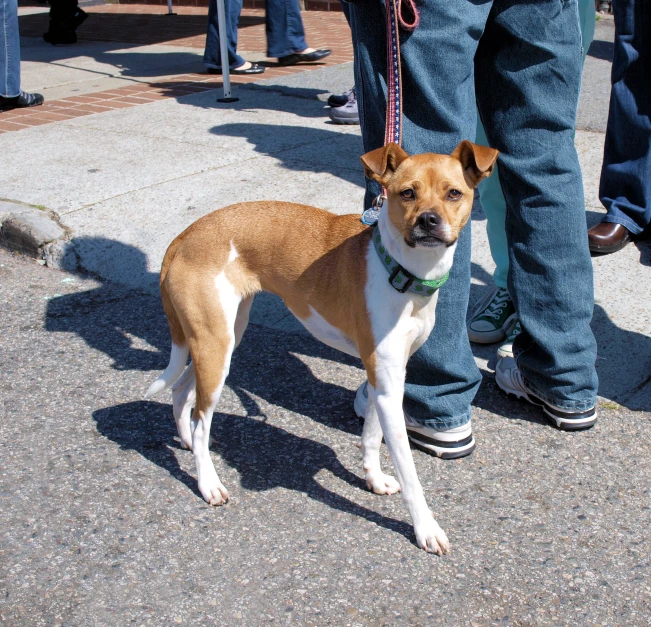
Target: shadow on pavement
126, 64
129, 327
265, 456
134, 28
299, 141
600, 49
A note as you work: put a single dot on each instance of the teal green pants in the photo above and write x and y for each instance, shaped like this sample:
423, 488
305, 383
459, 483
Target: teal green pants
490, 190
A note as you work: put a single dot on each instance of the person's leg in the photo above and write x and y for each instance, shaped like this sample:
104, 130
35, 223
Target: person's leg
625, 188
212, 54
438, 98
528, 76
9, 49
490, 190
284, 25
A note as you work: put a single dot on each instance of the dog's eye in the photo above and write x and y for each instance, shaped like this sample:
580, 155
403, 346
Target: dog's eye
407, 194
454, 194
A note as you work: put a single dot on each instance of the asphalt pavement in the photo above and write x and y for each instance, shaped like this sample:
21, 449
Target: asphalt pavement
101, 522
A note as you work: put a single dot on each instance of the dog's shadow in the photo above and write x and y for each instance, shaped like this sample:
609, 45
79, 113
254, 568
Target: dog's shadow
265, 456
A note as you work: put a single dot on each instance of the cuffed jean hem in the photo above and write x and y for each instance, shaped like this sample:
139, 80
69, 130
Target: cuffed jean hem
444, 423
625, 222
275, 55
561, 404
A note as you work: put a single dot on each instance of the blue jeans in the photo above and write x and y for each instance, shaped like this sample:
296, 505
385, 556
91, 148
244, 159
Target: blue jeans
625, 187
212, 54
9, 49
525, 59
285, 33
490, 191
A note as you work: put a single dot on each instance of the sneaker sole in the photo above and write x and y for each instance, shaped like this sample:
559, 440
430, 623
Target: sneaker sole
554, 417
490, 337
444, 450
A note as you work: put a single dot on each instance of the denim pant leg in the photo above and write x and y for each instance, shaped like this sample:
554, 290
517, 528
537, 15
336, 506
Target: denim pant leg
212, 55
439, 112
9, 49
528, 76
490, 191
285, 33
625, 187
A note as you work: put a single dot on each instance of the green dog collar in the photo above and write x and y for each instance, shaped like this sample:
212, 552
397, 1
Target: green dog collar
399, 278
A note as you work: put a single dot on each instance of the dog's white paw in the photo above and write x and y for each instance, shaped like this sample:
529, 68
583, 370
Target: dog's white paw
380, 483
431, 538
213, 491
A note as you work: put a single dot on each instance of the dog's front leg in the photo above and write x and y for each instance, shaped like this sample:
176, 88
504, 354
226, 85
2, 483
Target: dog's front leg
376, 480
387, 397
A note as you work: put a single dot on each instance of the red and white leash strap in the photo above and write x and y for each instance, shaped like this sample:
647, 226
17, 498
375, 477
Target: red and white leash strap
395, 21
393, 125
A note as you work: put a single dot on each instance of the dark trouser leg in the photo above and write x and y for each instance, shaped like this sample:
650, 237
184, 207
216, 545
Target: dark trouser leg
625, 188
212, 54
285, 33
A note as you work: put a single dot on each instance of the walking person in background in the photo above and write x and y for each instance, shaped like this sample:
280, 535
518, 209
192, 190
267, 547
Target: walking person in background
65, 18
625, 187
285, 37
495, 318
524, 59
11, 96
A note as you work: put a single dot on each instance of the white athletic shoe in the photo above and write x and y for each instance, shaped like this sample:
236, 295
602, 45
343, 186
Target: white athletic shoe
444, 443
509, 379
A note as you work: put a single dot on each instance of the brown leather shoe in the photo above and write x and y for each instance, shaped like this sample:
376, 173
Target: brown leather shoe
608, 237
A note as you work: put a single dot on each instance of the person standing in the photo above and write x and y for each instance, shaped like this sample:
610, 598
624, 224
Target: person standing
11, 96
525, 60
625, 186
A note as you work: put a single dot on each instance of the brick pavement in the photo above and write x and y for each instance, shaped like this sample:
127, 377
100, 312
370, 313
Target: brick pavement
148, 24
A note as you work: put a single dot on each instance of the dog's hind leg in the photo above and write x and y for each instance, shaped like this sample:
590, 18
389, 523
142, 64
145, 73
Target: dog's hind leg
212, 339
183, 400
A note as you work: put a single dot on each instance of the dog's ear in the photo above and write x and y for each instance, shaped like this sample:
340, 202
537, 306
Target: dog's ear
380, 164
478, 161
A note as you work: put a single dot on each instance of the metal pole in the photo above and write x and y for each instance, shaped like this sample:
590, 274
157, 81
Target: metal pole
223, 47
169, 8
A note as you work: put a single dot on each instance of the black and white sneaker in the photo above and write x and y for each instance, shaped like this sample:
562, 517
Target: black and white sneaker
444, 443
20, 101
509, 379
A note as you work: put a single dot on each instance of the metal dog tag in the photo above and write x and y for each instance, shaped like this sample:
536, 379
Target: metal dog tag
372, 215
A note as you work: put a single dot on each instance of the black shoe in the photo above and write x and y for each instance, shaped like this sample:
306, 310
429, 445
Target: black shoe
55, 37
254, 69
339, 100
309, 57
21, 101
78, 19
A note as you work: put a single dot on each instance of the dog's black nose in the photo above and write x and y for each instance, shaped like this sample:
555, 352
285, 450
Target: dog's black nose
428, 220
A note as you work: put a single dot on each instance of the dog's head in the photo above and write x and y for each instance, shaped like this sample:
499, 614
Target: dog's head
429, 196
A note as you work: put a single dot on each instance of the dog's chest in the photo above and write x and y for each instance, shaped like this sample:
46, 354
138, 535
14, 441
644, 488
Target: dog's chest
328, 334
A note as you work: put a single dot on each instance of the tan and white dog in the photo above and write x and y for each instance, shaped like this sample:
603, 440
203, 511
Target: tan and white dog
327, 270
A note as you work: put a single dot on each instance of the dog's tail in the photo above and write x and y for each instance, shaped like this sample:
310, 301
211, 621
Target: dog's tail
178, 361
180, 349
